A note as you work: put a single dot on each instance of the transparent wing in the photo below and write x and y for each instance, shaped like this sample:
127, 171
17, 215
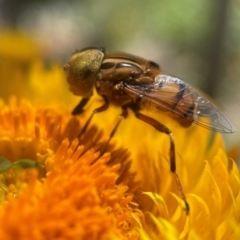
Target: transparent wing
172, 94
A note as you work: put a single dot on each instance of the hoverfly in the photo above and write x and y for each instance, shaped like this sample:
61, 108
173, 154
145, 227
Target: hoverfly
132, 82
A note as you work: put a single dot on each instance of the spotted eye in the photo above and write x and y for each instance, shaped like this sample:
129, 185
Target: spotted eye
82, 69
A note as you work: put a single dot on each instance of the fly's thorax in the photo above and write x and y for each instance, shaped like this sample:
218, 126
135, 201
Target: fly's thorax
112, 92
152, 69
127, 67
119, 70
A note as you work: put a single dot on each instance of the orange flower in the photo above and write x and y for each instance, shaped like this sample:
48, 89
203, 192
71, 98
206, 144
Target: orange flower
75, 196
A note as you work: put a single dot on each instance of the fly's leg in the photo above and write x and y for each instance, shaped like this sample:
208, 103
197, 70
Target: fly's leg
122, 116
161, 128
79, 108
104, 107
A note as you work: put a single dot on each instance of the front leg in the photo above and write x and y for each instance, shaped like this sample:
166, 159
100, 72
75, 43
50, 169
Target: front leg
79, 108
102, 108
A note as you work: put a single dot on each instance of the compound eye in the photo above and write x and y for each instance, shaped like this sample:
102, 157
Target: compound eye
82, 69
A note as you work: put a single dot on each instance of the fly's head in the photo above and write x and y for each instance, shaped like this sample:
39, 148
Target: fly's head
82, 68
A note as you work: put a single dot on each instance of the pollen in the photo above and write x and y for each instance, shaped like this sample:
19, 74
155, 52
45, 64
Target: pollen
74, 196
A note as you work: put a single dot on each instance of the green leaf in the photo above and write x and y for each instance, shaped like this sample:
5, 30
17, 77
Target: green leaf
5, 164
